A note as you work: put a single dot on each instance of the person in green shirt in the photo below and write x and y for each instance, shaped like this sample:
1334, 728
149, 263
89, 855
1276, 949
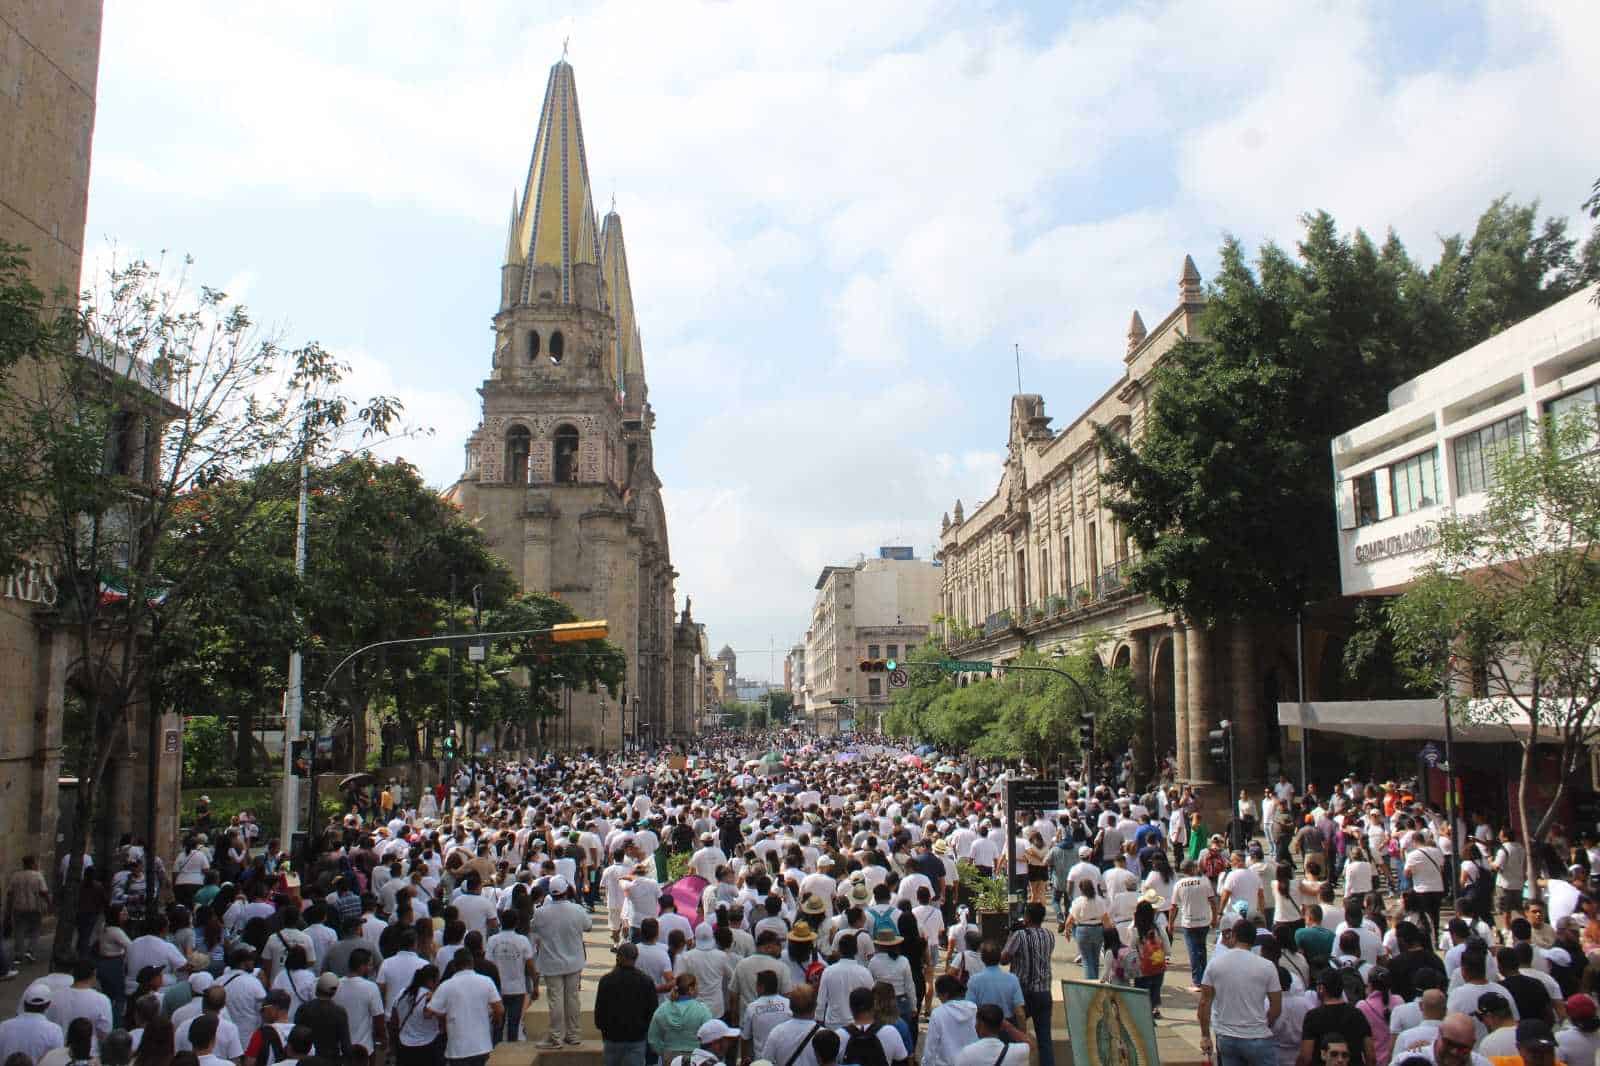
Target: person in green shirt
1314, 941
208, 891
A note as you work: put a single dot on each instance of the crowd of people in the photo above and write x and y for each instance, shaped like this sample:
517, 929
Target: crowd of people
793, 901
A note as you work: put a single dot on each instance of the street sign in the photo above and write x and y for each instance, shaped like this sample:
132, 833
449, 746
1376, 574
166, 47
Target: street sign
475, 653
839, 701
897, 679
169, 742
1033, 795
1431, 754
965, 666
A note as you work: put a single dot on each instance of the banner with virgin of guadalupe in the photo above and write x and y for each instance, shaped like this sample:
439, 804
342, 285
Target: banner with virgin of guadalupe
1109, 1025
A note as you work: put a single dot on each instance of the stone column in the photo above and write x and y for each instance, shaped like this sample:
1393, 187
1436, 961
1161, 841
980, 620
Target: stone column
1144, 741
1245, 707
1201, 708
1180, 698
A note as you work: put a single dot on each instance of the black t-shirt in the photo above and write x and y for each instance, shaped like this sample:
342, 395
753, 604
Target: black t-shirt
1339, 1018
1403, 970
1529, 994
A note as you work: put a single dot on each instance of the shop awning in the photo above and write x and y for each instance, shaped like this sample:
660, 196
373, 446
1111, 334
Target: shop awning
1480, 721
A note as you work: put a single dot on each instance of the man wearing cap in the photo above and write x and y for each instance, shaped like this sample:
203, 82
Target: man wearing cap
270, 1042
705, 861
329, 1025
1578, 1041
243, 991
557, 930
1536, 1042
1495, 1015
31, 1032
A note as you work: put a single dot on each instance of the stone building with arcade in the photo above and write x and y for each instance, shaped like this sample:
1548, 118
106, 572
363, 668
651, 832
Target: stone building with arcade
560, 472
1041, 563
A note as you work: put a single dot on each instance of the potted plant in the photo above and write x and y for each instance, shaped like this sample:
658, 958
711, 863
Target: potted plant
993, 904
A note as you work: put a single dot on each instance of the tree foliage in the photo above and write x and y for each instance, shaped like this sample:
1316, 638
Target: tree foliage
152, 391
1228, 493
1503, 621
1020, 713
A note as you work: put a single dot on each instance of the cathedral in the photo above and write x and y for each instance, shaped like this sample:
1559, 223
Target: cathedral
559, 473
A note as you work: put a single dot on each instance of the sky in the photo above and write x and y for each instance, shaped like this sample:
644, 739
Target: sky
842, 218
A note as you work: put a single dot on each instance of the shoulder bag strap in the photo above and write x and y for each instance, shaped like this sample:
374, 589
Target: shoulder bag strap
815, 1029
1005, 1046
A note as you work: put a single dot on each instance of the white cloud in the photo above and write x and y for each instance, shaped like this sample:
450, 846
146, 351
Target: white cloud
814, 194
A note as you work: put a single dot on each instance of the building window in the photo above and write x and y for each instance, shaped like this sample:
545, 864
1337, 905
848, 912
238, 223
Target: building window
874, 687
872, 651
1585, 402
894, 651
533, 345
1415, 482
1066, 562
517, 448
1044, 573
1366, 499
566, 447
558, 346
122, 439
1478, 452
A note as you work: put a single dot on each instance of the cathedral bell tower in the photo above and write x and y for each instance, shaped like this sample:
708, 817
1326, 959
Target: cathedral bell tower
559, 473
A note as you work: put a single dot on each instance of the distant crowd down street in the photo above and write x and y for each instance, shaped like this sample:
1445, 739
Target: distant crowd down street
783, 899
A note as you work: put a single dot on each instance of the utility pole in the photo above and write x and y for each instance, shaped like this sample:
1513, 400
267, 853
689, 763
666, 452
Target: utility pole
294, 695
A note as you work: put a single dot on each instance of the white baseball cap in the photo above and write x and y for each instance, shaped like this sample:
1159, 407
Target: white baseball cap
558, 885
715, 1029
39, 994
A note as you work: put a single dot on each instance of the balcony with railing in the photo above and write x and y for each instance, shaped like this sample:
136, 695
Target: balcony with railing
1109, 581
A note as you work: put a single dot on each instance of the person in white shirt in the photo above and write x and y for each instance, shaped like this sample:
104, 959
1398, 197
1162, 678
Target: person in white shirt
998, 1040
471, 1009
838, 981
363, 1004
243, 991
213, 1003
951, 1025
473, 908
712, 969
1241, 883
704, 862
1240, 998
82, 999
395, 972
763, 1014
512, 954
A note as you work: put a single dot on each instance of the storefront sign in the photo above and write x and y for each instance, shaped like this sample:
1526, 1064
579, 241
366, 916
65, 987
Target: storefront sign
169, 745
1414, 540
31, 582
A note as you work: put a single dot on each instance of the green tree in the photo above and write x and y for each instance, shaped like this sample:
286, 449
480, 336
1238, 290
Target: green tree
205, 751
152, 391
1227, 494
1507, 608
781, 707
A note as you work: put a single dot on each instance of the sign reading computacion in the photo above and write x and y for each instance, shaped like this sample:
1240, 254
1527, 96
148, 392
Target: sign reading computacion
1413, 540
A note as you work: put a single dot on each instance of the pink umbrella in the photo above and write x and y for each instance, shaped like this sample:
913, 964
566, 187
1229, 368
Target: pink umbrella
911, 760
686, 893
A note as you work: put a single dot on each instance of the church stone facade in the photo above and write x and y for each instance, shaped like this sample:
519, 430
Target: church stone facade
560, 473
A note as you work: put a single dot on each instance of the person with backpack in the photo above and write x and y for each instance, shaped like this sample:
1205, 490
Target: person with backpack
999, 1043
868, 1042
1155, 949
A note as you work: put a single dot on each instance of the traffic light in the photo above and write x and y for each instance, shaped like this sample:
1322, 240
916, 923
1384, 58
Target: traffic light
1086, 731
891, 665
1221, 740
449, 745
300, 757
875, 666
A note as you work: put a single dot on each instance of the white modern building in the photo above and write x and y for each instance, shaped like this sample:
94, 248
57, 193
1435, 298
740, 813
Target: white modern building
1434, 449
1433, 453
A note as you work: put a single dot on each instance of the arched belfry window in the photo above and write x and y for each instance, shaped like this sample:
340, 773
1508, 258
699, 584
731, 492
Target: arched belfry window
533, 345
558, 346
566, 451
517, 448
